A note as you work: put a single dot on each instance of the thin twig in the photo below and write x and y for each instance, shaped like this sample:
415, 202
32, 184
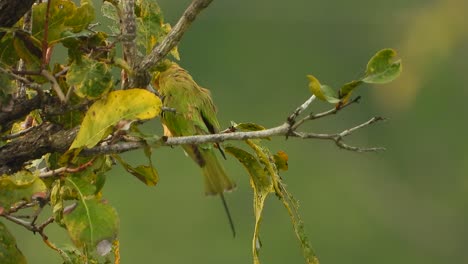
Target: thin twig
300, 109
338, 137
66, 170
28, 83
323, 114
45, 42
27, 26
54, 85
18, 134
281, 130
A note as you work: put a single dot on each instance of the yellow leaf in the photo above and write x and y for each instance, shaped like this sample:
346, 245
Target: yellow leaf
315, 87
119, 105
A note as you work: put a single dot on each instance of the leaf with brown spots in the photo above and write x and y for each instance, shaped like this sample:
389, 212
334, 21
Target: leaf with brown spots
105, 113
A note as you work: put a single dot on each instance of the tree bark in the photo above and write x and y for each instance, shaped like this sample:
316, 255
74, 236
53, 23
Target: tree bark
13, 10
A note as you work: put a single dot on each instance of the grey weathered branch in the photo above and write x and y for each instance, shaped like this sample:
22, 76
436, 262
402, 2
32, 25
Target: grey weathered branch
289, 128
282, 130
49, 138
169, 42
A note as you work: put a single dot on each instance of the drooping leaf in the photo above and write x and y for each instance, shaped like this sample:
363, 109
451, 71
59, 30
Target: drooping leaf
258, 176
91, 222
90, 78
56, 201
381, 69
128, 104
322, 92
9, 252
265, 180
146, 174
292, 206
20, 186
262, 186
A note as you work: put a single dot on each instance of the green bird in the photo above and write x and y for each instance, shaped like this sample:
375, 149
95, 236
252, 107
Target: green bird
195, 114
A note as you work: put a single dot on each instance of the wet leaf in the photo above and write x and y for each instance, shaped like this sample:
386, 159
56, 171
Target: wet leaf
381, 69
119, 105
9, 252
21, 186
261, 185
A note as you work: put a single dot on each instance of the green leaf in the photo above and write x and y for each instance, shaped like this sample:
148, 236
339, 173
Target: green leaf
91, 222
109, 11
261, 185
381, 69
247, 126
150, 26
146, 174
292, 206
7, 88
64, 16
82, 17
9, 252
259, 179
119, 105
8, 55
90, 78
322, 92
56, 202
20, 186
72, 255
347, 89
28, 50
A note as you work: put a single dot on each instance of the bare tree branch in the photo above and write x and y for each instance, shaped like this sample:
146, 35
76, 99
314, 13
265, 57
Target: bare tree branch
172, 39
286, 129
48, 138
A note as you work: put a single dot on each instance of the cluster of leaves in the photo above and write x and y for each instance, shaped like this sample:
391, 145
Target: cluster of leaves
89, 97
74, 191
380, 70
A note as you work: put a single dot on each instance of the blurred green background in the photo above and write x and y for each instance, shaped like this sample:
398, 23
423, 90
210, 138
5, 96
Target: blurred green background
405, 205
